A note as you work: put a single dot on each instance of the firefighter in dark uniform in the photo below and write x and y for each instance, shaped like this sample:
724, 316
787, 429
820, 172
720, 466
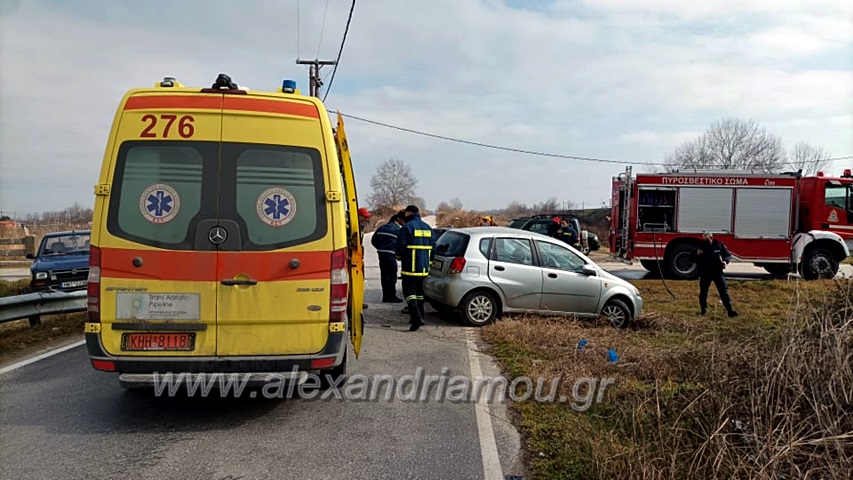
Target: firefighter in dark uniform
385, 241
712, 257
414, 248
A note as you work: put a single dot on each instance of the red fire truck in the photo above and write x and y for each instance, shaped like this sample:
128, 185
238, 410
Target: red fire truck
784, 223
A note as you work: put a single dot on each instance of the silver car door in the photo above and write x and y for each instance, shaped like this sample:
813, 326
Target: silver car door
565, 288
513, 271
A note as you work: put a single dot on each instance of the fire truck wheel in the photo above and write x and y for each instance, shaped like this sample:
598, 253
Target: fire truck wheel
680, 263
818, 263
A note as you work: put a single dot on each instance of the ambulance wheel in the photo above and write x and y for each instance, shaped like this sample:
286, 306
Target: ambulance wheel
680, 262
818, 263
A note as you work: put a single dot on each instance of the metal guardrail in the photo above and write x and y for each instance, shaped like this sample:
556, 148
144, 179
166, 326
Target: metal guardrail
34, 305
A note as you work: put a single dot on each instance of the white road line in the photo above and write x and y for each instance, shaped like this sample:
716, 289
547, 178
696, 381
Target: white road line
488, 445
35, 359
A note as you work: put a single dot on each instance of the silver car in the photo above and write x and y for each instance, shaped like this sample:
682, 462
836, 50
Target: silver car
484, 272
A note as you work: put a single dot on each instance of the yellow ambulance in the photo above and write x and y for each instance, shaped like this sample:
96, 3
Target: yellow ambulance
225, 236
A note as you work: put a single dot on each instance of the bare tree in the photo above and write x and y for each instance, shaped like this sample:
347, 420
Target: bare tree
548, 206
730, 144
456, 204
393, 186
808, 158
516, 208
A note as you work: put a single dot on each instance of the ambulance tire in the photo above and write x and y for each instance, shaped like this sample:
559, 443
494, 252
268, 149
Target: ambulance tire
818, 263
677, 261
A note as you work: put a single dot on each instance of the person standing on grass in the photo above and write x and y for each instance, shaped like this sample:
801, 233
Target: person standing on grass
712, 257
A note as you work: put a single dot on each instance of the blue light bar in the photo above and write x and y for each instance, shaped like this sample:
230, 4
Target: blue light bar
288, 86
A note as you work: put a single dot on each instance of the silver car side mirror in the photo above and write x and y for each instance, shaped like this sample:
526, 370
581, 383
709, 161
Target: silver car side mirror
589, 270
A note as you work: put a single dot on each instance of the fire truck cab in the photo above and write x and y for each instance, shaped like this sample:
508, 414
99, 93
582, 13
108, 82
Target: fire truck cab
784, 223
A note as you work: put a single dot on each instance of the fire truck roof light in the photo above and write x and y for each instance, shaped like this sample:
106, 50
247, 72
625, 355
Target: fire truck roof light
847, 172
819, 174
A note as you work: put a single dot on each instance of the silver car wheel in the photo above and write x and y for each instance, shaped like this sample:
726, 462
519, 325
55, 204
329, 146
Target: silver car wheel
616, 312
480, 308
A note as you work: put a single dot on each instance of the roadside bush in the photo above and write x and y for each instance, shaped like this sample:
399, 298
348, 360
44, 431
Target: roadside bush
456, 219
8, 289
766, 396
773, 408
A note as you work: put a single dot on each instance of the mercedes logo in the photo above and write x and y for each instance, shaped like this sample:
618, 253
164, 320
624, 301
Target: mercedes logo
73, 271
217, 235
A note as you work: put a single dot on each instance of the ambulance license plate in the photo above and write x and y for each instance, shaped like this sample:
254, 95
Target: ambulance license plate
148, 342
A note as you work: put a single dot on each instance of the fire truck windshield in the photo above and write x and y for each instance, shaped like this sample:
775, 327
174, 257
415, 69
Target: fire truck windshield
836, 196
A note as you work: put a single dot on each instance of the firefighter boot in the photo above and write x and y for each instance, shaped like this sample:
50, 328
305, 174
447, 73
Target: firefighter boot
415, 318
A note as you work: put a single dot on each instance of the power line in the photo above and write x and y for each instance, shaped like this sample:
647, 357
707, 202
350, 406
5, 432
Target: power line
340, 51
297, 28
498, 147
322, 28
530, 152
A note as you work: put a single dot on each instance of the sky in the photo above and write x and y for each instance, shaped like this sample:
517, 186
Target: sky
622, 80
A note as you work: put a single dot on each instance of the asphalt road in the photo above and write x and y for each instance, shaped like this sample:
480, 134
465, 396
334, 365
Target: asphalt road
13, 274
59, 418
735, 271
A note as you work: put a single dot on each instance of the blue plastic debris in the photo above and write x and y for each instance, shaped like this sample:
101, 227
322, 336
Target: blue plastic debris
582, 344
613, 356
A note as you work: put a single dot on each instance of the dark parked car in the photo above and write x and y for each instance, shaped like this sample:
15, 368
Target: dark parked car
438, 232
539, 224
61, 261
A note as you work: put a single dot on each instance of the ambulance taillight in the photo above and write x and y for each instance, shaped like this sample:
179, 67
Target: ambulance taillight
93, 287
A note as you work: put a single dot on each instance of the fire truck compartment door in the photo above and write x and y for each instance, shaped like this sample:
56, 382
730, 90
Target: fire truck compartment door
704, 208
763, 213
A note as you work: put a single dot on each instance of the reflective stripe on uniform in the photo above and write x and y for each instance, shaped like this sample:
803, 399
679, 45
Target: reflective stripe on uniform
415, 274
423, 233
419, 247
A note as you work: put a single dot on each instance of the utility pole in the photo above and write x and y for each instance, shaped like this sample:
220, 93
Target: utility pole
314, 73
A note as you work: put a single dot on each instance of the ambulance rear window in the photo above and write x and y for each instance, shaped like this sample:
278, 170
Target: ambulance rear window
171, 194
276, 193
159, 191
